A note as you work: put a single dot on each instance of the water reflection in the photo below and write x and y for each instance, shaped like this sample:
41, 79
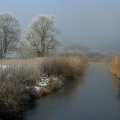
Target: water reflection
116, 83
47, 107
15, 116
69, 88
92, 97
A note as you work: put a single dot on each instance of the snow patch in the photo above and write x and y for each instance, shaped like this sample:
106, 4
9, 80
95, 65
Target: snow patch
43, 82
3, 66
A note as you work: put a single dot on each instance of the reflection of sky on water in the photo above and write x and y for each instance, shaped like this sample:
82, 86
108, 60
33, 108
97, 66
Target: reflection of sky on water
92, 98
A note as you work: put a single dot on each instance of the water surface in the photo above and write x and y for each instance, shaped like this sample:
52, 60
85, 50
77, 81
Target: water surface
95, 96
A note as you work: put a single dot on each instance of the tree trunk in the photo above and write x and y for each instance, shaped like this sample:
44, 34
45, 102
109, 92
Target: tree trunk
43, 46
40, 54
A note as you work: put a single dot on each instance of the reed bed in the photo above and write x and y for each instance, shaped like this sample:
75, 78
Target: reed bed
115, 66
18, 75
68, 67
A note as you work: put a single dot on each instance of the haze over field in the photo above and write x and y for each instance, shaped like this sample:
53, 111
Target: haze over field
93, 23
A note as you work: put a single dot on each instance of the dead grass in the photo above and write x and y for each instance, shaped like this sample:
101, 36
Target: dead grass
115, 66
26, 72
13, 82
55, 84
69, 67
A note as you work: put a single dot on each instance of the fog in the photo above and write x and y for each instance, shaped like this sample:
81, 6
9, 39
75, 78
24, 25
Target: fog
93, 23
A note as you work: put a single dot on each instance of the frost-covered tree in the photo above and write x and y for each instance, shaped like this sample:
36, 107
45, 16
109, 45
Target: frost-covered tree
9, 33
41, 35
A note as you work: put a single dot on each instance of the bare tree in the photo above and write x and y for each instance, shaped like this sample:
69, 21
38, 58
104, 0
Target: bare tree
9, 33
41, 35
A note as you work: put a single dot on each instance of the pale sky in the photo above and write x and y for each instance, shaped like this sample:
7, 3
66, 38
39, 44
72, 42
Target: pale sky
94, 23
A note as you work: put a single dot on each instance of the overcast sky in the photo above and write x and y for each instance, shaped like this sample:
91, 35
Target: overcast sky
94, 23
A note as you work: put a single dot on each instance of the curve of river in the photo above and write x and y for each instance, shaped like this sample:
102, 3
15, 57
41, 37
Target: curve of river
95, 96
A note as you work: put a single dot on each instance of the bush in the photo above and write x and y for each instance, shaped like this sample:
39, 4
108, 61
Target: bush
68, 67
13, 83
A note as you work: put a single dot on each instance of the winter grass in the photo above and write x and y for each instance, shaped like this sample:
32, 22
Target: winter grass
16, 75
115, 66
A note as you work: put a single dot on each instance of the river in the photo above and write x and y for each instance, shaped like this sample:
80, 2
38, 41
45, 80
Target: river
94, 96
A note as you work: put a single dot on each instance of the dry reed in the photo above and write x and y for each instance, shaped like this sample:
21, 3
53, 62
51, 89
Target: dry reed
115, 66
19, 74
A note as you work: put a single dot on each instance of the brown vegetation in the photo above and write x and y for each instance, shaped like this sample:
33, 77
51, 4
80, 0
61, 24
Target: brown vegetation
18, 79
55, 84
68, 67
115, 66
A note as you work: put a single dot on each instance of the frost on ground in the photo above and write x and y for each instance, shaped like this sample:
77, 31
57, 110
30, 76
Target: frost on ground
3, 66
24, 80
43, 82
45, 86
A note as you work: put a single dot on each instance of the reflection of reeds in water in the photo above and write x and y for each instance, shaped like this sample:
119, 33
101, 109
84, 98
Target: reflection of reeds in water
72, 86
69, 88
115, 70
116, 83
118, 94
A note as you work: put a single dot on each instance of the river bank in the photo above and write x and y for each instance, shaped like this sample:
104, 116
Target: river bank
115, 66
94, 96
24, 81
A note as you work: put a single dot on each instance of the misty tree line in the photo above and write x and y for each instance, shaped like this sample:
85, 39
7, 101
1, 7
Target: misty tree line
40, 37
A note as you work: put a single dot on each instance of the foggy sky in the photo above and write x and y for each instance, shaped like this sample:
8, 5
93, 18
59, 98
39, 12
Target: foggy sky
93, 23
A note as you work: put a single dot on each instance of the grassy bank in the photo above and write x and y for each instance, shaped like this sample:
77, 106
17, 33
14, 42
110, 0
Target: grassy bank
115, 66
20, 78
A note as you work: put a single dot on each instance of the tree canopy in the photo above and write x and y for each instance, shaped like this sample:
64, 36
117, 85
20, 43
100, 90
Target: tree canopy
41, 35
9, 33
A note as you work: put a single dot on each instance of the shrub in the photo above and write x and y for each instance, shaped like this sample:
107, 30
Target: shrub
13, 83
68, 67
115, 66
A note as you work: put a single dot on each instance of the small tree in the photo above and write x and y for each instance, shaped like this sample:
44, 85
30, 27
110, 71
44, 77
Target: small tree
41, 35
9, 33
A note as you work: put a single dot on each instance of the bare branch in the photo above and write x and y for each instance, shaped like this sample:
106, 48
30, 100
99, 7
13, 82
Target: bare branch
9, 33
41, 35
